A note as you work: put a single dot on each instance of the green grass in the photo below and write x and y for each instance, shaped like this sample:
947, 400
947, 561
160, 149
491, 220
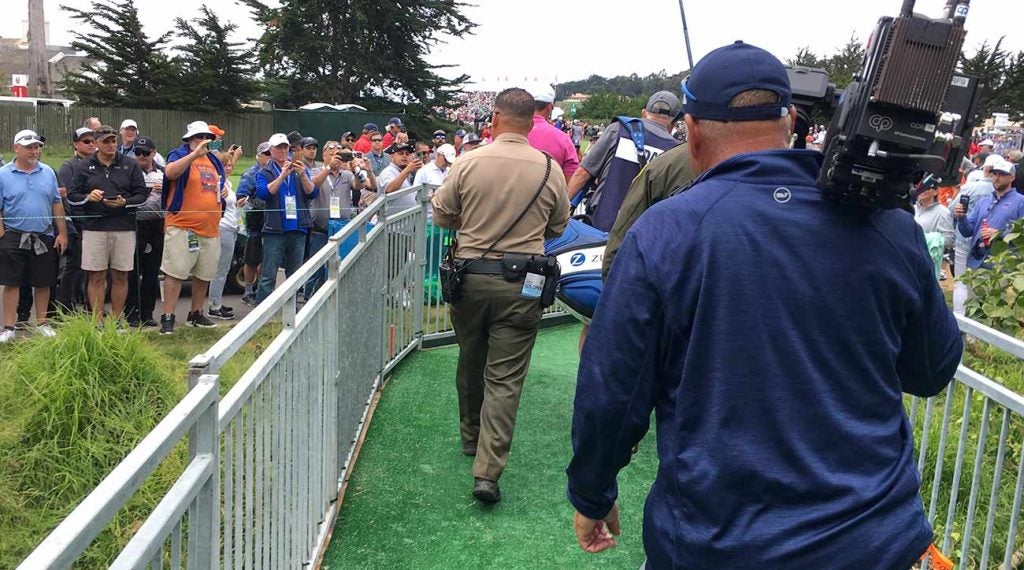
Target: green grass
72, 407
408, 503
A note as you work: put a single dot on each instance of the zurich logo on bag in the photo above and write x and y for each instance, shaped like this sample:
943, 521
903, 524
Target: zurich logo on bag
580, 252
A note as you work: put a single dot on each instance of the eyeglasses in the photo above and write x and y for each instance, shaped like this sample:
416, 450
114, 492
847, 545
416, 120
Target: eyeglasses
140, 152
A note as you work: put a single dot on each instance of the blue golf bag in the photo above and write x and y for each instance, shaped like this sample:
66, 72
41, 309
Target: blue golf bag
580, 253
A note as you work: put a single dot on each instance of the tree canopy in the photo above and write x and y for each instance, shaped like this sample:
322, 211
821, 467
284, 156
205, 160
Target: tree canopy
348, 51
219, 71
129, 71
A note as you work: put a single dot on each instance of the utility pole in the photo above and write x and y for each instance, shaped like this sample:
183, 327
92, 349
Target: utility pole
686, 35
38, 68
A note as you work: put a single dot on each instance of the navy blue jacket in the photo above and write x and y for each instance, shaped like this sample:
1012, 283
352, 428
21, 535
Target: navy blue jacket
773, 333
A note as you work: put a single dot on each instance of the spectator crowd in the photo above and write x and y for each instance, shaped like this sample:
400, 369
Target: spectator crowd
122, 225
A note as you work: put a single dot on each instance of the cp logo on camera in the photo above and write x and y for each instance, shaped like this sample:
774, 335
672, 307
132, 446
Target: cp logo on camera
880, 122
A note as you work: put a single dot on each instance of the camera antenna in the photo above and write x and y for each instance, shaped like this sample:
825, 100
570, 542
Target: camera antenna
907, 11
686, 35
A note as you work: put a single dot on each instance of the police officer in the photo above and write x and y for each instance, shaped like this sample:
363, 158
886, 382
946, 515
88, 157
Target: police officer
614, 160
778, 381
495, 323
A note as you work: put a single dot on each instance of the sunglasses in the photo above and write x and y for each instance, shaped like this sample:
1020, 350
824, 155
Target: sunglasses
265, 153
139, 152
376, 140
87, 141
349, 139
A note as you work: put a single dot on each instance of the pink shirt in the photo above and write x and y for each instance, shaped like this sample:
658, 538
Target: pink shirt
547, 138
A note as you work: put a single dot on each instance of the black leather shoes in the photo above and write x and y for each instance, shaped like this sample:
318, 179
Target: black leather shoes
486, 491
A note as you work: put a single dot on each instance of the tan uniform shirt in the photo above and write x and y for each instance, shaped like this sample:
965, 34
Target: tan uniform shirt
488, 188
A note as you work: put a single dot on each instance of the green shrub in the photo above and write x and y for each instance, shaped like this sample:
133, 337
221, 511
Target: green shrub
71, 408
999, 289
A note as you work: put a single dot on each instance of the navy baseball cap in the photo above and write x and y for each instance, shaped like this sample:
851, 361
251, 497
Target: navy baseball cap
371, 127
728, 71
460, 133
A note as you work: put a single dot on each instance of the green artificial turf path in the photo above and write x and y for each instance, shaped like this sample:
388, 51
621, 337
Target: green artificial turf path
409, 505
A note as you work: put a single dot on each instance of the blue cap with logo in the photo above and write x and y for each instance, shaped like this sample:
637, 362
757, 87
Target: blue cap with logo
728, 71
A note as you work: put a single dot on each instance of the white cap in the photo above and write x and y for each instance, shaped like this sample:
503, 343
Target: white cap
556, 113
987, 142
543, 92
129, 123
28, 138
196, 128
992, 160
278, 139
447, 151
1004, 167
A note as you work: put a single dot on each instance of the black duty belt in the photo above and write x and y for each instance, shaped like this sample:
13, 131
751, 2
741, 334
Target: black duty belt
483, 266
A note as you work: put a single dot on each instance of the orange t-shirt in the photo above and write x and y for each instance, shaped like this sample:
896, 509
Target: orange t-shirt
200, 207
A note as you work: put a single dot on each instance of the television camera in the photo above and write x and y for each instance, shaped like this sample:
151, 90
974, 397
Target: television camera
905, 119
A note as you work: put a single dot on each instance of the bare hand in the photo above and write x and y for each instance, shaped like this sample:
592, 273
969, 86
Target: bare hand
201, 150
241, 202
118, 202
298, 167
367, 198
959, 211
60, 243
224, 193
595, 536
415, 165
988, 233
95, 196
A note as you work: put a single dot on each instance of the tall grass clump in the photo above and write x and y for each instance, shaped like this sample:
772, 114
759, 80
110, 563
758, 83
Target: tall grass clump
71, 408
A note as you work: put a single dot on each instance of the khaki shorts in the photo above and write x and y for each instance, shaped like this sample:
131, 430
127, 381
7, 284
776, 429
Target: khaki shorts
103, 250
180, 263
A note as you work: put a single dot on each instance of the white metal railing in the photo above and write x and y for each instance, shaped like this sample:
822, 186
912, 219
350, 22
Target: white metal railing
976, 467
266, 462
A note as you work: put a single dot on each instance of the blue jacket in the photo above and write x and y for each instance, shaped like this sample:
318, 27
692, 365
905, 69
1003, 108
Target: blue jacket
179, 185
273, 222
773, 333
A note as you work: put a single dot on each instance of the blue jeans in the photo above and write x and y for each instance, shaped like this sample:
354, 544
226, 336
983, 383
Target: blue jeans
316, 242
279, 250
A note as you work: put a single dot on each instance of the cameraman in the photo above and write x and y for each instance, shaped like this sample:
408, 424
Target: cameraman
777, 379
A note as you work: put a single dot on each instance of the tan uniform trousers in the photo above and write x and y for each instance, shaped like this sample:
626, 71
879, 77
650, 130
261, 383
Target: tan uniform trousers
496, 329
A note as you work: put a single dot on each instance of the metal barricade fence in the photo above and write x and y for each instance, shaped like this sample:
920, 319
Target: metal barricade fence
969, 453
267, 461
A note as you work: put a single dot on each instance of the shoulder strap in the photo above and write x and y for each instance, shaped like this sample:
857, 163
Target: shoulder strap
522, 214
636, 132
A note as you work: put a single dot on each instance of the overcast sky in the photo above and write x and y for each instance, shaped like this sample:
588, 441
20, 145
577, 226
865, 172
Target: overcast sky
561, 40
